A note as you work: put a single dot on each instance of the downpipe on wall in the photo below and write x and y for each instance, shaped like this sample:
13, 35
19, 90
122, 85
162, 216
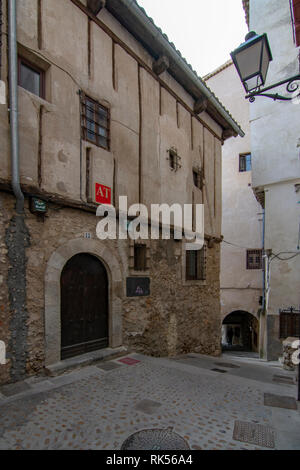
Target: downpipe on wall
13, 99
17, 237
262, 322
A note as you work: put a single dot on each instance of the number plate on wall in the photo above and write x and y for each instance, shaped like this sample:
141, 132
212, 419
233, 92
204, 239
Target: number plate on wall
138, 286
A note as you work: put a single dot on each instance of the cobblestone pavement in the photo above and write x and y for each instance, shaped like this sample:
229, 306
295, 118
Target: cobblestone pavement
99, 406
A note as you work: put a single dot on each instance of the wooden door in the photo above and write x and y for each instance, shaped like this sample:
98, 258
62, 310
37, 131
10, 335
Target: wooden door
84, 306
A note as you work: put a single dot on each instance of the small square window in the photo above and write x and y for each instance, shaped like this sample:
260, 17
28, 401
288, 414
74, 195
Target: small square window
197, 178
174, 159
31, 78
95, 122
140, 257
254, 259
196, 265
245, 162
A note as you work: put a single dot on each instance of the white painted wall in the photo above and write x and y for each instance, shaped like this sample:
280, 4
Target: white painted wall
274, 125
241, 220
275, 132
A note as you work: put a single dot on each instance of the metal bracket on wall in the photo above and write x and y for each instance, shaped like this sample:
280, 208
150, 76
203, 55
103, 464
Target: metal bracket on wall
292, 88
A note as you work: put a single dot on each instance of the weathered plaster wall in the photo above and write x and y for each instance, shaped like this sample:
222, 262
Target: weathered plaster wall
274, 133
50, 129
241, 216
282, 235
276, 163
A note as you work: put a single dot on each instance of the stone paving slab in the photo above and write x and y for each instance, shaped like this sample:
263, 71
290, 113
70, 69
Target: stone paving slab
280, 401
283, 379
107, 366
95, 409
227, 365
148, 406
14, 389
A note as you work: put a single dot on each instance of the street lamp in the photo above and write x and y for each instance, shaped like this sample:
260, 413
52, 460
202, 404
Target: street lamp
252, 60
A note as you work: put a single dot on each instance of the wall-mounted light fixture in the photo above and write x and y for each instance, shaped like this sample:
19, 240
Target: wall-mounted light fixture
252, 60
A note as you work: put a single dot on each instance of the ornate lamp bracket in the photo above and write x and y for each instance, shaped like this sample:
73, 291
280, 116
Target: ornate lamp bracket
293, 85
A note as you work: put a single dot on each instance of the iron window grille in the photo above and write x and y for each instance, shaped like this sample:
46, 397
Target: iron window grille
196, 265
198, 178
245, 162
140, 257
289, 323
174, 159
95, 122
31, 77
254, 259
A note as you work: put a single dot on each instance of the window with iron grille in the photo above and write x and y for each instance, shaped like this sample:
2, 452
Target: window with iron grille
289, 323
196, 265
95, 122
198, 178
140, 257
254, 259
245, 162
174, 159
31, 77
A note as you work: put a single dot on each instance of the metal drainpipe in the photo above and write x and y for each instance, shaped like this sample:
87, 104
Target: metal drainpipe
13, 96
262, 345
264, 263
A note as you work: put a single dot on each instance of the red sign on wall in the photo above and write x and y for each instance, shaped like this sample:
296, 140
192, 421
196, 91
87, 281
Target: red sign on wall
102, 194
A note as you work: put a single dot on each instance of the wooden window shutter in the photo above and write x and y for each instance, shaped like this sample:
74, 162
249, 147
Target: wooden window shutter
140, 257
201, 263
296, 13
188, 265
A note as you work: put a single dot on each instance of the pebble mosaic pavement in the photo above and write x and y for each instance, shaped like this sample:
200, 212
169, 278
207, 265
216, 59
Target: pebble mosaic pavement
102, 409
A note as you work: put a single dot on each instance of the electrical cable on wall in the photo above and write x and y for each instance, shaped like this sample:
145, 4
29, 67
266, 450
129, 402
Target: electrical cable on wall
293, 253
285, 253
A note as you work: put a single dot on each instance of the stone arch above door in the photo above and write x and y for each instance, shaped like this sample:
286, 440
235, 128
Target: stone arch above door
54, 268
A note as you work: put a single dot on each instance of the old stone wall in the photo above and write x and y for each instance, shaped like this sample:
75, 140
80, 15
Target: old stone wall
175, 318
6, 211
149, 115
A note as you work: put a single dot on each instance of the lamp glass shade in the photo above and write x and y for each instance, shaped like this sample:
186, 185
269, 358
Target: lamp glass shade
252, 60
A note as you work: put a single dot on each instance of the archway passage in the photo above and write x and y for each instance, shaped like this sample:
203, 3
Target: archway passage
84, 306
240, 332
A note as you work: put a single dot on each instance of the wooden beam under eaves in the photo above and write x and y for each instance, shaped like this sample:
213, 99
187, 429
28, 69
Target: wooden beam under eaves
161, 65
227, 133
96, 5
200, 105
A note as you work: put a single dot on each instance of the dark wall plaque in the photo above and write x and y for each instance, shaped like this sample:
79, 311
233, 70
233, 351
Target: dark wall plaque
138, 286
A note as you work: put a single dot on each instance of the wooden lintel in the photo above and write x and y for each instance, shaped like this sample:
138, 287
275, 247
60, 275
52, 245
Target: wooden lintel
96, 5
200, 105
161, 65
227, 133
34, 191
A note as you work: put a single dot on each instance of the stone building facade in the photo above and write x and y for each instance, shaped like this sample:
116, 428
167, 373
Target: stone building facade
115, 105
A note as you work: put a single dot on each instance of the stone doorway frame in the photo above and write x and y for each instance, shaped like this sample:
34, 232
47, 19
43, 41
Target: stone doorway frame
244, 312
116, 288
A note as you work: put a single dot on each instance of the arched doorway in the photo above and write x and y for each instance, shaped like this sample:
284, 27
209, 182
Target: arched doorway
84, 306
240, 332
